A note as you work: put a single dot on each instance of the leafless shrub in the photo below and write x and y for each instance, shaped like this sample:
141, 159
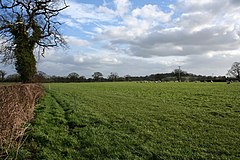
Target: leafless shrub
16, 109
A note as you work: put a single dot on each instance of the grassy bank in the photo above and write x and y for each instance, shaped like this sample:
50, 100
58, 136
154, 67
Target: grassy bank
136, 121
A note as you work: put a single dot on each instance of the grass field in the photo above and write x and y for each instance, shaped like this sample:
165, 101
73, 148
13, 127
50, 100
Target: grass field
136, 121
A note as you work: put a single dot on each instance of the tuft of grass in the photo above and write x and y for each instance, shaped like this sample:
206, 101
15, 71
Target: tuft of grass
136, 121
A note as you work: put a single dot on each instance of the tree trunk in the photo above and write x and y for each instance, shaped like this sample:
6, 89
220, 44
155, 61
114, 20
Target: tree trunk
25, 61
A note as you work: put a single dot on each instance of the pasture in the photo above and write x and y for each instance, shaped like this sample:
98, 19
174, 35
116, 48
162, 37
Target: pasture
136, 121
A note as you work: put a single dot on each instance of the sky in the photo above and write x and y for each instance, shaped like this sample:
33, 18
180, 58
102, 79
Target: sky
143, 37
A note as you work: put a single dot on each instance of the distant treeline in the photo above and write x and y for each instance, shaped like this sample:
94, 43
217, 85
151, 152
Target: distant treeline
160, 77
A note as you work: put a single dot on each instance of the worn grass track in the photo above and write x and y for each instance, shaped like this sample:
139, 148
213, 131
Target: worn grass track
136, 121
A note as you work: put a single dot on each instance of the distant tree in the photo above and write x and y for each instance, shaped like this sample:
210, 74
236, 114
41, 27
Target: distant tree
82, 78
235, 70
2, 74
55, 78
73, 76
25, 25
41, 76
13, 78
127, 77
97, 76
178, 73
113, 76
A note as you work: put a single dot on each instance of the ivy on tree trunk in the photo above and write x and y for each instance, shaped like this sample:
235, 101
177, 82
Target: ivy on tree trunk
27, 24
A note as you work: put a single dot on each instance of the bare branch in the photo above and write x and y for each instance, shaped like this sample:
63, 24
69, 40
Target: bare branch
36, 18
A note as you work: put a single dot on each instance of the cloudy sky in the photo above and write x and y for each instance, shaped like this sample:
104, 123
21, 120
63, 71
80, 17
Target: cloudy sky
141, 37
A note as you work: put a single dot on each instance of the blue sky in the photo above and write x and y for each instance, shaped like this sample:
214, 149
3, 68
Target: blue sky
141, 37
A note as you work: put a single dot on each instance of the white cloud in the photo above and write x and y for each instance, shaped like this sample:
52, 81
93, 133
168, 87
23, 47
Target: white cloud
76, 41
203, 5
151, 12
197, 3
217, 64
103, 59
61, 63
88, 13
205, 30
122, 6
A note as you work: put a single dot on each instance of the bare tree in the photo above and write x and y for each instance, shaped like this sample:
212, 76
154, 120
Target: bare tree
27, 26
179, 73
113, 76
235, 70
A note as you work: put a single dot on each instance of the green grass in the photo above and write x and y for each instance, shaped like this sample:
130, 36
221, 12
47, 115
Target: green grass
136, 121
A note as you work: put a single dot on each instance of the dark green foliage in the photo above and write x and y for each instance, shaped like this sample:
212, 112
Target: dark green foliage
25, 61
97, 76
